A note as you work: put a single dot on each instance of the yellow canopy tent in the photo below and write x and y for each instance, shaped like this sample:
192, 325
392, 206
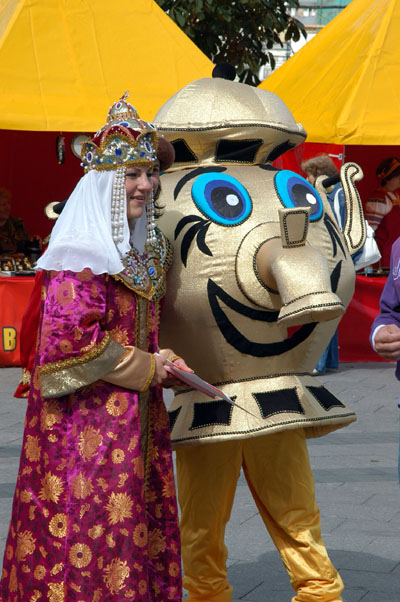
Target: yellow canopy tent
63, 62
344, 84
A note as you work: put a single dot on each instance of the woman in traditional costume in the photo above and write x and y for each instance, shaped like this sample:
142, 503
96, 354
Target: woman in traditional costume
31, 316
94, 515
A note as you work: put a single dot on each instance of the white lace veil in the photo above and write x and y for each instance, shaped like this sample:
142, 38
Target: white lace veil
82, 238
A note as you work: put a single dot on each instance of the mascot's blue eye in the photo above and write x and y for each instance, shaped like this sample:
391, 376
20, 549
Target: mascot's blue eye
222, 198
295, 191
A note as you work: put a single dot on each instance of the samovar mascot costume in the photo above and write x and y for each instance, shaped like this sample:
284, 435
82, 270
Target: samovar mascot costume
261, 277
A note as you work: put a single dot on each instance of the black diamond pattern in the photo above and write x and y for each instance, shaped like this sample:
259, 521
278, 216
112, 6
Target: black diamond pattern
325, 398
275, 402
173, 415
212, 412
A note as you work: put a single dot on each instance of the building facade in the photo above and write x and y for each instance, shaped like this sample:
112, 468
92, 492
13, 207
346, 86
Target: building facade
314, 14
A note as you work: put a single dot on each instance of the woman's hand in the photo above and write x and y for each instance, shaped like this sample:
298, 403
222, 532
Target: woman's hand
171, 380
160, 373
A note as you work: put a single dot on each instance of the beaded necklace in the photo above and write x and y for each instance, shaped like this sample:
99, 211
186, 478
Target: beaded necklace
145, 273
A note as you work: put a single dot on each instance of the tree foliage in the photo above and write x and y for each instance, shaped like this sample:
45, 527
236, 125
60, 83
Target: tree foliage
240, 32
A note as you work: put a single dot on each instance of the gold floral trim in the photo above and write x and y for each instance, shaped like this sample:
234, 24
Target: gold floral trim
142, 311
147, 294
68, 376
148, 452
151, 374
75, 361
26, 376
157, 313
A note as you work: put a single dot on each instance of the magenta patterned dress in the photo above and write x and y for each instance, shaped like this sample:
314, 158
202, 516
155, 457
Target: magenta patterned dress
94, 517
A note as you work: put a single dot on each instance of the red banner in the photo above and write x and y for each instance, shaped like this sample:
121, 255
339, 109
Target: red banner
14, 297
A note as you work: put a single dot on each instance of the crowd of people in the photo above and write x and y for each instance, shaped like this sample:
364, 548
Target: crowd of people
381, 207
94, 511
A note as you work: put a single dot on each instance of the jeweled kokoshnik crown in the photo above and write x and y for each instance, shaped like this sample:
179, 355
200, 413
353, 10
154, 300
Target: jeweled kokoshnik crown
123, 141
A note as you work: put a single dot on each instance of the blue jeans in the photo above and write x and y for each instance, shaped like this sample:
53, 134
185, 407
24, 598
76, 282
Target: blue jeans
329, 359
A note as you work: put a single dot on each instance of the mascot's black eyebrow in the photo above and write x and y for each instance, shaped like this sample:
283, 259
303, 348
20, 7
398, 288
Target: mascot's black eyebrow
268, 167
193, 174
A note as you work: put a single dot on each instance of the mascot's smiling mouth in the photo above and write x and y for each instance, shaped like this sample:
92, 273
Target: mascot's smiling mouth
243, 344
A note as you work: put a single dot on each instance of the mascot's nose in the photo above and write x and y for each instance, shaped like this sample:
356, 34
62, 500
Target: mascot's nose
298, 272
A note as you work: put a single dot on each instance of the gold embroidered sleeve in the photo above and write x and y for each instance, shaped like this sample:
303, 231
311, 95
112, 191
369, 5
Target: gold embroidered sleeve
67, 376
134, 371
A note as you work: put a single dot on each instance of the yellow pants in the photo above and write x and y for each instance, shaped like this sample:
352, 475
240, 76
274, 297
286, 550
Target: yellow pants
277, 470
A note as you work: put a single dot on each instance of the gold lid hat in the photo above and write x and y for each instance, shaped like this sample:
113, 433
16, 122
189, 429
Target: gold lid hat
227, 123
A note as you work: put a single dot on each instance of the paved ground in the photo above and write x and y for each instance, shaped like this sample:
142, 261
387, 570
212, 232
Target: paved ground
356, 482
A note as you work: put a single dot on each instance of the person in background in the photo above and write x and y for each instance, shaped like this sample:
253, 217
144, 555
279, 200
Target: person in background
322, 165
382, 209
94, 514
14, 237
385, 329
387, 194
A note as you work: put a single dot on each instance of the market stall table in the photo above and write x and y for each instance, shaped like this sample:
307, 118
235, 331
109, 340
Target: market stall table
353, 328
14, 296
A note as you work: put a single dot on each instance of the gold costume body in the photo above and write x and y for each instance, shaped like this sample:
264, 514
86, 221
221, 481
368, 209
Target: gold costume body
261, 276
225, 320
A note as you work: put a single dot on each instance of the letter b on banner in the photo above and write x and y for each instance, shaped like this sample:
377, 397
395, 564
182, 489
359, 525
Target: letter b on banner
14, 298
9, 338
